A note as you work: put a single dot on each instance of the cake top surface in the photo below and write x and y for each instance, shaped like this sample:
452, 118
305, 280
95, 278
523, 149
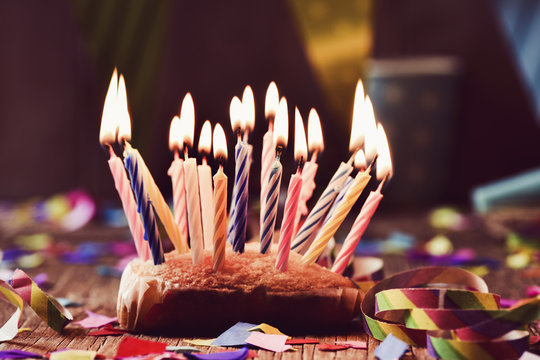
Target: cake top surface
245, 271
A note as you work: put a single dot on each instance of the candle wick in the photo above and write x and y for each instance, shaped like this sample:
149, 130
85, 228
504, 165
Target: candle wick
314, 156
204, 162
351, 159
368, 170
246, 135
271, 122
239, 135
109, 147
301, 163
176, 154
279, 151
186, 152
381, 184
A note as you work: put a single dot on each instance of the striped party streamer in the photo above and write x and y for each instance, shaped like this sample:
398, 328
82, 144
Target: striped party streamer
452, 322
123, 187
176, 172
10, 329
329, 229
144, 206
44, 305
220, 219
271, 207
357, 231
287, 224
308, 230
238, 218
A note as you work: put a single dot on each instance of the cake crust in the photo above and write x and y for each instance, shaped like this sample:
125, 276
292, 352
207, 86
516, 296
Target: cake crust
179, 298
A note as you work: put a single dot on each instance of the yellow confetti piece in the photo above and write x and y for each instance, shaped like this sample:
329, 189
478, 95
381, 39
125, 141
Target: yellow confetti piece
268, 329
439, 245
518, 260
24, 330
481, 270
201, 342
73, 355
30, 261
34, 242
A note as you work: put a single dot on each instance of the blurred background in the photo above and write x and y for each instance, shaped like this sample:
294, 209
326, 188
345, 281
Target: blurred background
455, 83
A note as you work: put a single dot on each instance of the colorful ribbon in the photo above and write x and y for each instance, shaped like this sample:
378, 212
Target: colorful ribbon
450, 311
46, 306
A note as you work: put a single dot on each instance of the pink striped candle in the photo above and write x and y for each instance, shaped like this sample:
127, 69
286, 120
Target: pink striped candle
287, 224
123, 186
293, 195
357, 231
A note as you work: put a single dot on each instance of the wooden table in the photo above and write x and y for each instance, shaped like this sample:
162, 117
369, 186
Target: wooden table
97, 293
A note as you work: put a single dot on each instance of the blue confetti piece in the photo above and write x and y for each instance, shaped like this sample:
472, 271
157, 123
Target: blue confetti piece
235, 335
391, 348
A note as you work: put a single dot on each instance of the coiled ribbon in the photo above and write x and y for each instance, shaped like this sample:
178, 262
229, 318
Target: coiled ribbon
450, 311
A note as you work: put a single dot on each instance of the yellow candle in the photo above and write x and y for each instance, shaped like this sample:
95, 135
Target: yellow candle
330, 227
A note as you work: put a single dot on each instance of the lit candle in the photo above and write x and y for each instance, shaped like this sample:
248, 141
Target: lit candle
281, 135
176, 172
293, 194
205, 185
268, 154
384, 172
370, 129
309, 228
220, 200
192, 183
160, 205
329, 228
238, 218
134, 167
107, 136
315, 146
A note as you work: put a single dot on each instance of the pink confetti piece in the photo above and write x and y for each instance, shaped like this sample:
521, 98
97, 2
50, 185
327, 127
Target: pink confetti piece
533, 290
355, 344
95, 320
270, 342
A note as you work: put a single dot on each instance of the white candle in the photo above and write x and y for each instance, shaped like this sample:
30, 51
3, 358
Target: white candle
220, 200
205, 185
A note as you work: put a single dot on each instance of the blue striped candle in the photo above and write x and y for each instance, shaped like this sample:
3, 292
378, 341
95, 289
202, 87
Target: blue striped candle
144, 206
238, 219
271, 206
307, 232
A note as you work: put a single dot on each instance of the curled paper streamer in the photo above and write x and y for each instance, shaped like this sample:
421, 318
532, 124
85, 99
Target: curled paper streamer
453, 323
44, 305
10, 329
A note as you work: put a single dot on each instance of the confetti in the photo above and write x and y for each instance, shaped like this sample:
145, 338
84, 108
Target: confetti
355, 344
34, 242
95, 320
67, 302
267, 329
391, 348
201, 342
225, 355
529, 356
301, 341
272, 342
439, 245
331, 347
18, 354
130, 346
108, 330
182, 349
30, 261
235, 335
73, 355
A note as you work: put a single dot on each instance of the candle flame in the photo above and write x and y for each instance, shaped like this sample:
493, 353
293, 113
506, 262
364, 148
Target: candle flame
360, 160
281, 124
235, 113
370, 131
205, 140
175, 134
220, 143
315, 137
248, 103
124, 120
357, 136
384, 161
300, 146
107, 131
187, 114
271, 103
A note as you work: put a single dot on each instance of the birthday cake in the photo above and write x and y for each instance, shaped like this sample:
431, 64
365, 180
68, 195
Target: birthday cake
178, 297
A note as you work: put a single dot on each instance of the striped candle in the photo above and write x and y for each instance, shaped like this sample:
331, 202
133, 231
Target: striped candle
123, 186
308, 230
194, 210
267, 159
144, 205
357, 230
220, 219
176, 172
287, 224
329, 229
161, 207
271, 206
238, 218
